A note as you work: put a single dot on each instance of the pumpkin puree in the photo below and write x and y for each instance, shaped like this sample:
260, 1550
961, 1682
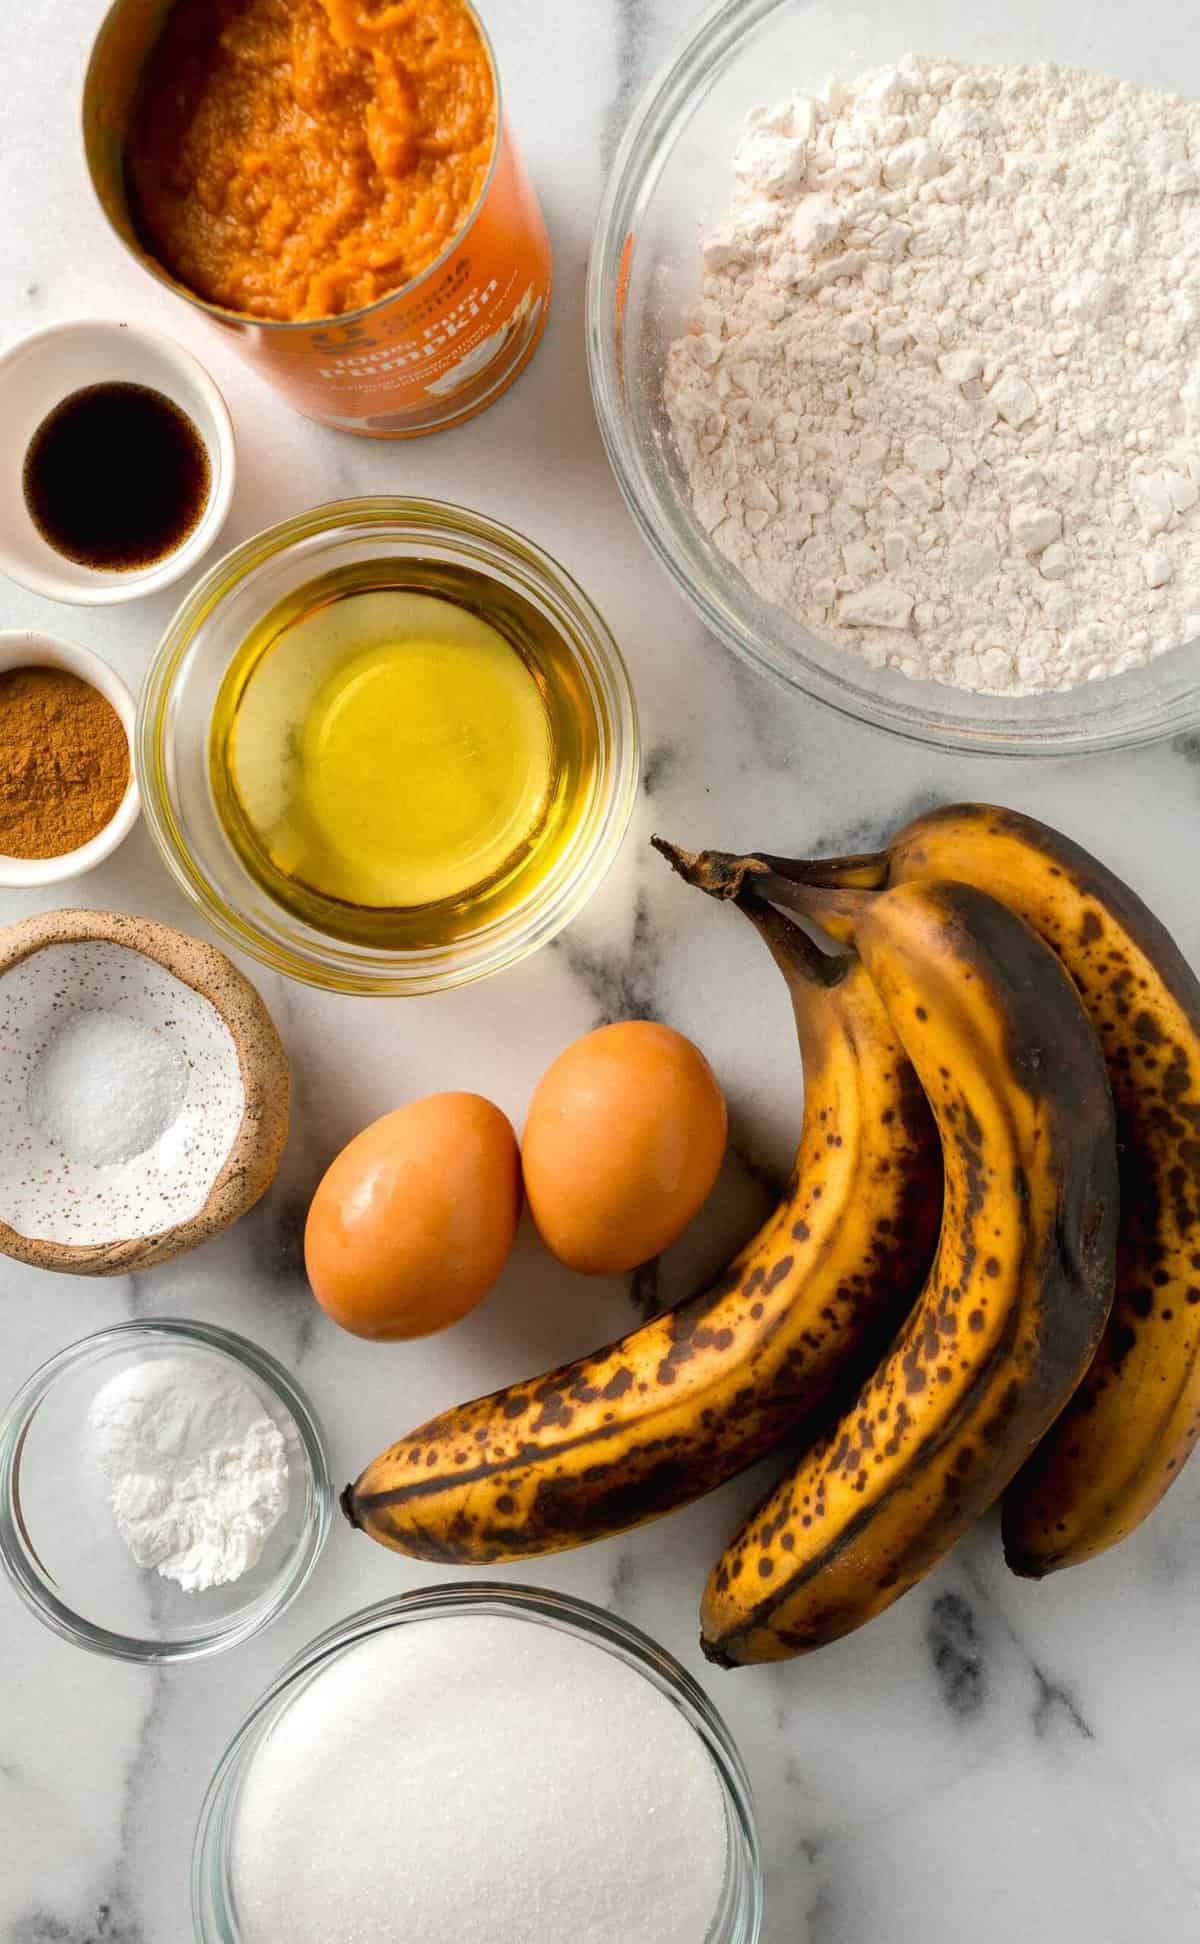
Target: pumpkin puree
301, 158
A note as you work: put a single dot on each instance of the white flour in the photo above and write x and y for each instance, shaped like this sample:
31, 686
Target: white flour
941, 395
196, 1470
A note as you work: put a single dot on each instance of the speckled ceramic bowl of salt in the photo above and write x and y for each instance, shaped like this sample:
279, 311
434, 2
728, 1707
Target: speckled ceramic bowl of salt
143, 1092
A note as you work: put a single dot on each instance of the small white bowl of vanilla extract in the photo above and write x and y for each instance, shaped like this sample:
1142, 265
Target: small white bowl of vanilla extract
388, 746
118, 464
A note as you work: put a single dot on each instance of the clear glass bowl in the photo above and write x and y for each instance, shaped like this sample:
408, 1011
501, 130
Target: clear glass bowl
59, 1543
739, 1918
174, 714
672, 179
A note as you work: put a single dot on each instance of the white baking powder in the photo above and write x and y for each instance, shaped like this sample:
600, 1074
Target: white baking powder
196, 1470
941, 394
478, 1780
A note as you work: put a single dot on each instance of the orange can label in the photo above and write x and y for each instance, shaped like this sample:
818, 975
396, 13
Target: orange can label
440, 349
435, 352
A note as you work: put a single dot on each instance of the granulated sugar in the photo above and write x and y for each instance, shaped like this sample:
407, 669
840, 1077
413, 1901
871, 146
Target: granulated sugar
479, 1780
941, 395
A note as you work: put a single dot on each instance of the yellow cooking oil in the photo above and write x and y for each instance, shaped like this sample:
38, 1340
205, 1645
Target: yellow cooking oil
400, 753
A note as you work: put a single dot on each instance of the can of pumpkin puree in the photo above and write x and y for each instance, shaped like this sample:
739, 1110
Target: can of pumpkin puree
428, 355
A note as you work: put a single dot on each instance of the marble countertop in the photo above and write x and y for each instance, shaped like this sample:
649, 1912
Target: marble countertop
992, 1759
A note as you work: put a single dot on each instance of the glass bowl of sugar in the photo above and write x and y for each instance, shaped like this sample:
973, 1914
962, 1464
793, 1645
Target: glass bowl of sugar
899, 371
164, 1491
480, 1764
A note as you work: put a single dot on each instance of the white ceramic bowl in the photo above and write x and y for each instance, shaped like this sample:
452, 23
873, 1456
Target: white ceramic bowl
35, 376
27, 648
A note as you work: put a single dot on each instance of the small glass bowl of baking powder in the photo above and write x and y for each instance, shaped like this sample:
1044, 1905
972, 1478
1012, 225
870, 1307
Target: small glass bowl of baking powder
670, 186
549, 1756
60, 1542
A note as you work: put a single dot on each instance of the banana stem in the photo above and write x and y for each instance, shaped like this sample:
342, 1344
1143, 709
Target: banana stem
835, 911
862, 871
723, 874
792, 949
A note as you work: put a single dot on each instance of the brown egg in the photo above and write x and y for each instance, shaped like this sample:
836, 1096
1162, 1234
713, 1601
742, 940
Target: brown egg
413, 1222
624, 1140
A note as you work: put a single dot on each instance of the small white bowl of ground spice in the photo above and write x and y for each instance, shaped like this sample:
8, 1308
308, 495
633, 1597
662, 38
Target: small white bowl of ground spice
67, 791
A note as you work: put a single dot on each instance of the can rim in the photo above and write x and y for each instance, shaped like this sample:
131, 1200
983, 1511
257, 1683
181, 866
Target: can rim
245, 319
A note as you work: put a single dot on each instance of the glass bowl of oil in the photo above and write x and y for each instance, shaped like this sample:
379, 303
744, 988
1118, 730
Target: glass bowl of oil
388, 746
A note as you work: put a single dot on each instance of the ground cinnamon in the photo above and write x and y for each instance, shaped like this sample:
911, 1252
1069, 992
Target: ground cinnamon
64, 762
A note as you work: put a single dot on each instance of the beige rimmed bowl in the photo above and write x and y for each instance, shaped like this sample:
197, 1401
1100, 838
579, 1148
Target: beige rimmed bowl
68, 1203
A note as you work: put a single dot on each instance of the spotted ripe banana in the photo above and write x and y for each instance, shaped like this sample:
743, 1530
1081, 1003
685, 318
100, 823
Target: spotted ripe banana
1127, 1433
1014, 1304
671, 1410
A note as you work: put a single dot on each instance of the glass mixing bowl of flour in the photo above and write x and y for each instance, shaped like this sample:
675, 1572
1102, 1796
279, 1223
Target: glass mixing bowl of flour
671, 185
178, 1404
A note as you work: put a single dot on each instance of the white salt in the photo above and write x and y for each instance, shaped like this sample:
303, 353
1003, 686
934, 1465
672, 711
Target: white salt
479, 1780
107, 1088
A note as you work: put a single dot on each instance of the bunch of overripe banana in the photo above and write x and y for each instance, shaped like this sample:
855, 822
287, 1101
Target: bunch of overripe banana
930, 1309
